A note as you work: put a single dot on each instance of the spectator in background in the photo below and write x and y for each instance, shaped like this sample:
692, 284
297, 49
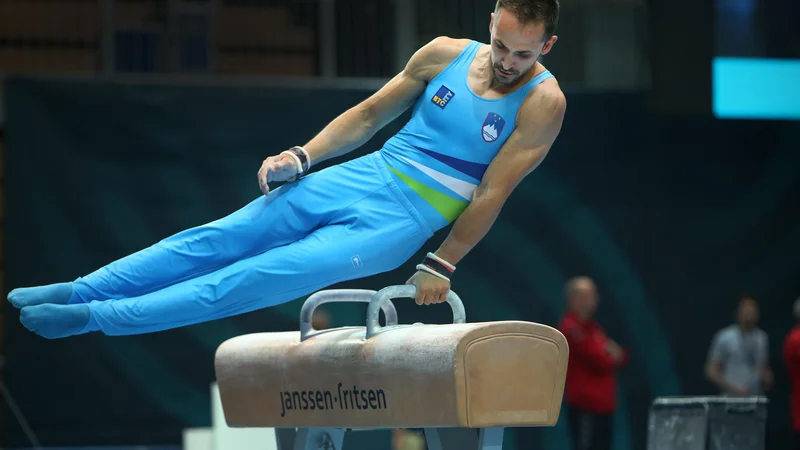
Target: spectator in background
591, 374
738, 360
791, 356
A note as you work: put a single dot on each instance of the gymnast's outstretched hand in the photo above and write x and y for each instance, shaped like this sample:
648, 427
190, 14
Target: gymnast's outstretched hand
430, 289
276, 168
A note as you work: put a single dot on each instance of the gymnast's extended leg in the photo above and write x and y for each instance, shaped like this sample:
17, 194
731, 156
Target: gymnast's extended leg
375, 237
286, 215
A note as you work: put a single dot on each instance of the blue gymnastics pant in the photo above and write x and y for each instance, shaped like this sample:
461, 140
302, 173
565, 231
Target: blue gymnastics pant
345, 222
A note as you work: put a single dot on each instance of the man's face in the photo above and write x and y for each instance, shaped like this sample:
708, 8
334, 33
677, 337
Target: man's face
515, 46
748, 314
583, 299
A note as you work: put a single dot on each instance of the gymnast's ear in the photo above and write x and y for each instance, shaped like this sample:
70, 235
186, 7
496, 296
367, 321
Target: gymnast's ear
548, 45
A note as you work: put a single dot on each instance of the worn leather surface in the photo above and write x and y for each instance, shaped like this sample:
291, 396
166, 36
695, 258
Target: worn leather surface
508, 373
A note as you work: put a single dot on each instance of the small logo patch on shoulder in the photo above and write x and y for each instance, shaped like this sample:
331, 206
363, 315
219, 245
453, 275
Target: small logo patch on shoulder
442, 97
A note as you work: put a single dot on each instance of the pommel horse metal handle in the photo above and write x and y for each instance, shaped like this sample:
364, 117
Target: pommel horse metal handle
332, 438
385, 296
340, 296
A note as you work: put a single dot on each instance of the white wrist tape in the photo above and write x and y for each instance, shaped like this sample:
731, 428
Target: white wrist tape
298, 164
298, 161
442, 261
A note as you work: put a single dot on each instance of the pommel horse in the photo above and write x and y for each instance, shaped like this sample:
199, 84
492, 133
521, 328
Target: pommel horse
460, 382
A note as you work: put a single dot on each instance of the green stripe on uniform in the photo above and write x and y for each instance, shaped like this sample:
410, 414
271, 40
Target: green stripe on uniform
449, 207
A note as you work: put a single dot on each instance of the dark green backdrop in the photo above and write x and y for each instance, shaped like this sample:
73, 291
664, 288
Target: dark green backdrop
673, 217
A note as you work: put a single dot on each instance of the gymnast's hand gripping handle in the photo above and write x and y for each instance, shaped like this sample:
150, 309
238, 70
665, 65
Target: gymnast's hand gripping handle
386, 295
340, 295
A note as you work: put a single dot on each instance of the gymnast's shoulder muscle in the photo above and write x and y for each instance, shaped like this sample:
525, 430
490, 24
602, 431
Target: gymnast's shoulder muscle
539, 121
434, 56
542, 112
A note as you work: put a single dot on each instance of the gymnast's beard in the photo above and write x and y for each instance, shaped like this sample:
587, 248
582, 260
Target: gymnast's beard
512, 81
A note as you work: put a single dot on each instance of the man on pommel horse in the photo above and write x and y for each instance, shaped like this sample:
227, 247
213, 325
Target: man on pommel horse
484, 117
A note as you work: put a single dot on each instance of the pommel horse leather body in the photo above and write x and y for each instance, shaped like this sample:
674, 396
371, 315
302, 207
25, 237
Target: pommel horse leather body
465, 375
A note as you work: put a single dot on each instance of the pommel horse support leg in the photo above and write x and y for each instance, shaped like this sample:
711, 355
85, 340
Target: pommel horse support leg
444, 378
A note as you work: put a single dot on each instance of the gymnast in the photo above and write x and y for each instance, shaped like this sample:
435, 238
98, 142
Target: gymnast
484, 117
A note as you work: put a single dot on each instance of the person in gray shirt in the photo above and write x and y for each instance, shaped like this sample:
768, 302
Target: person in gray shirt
738, 360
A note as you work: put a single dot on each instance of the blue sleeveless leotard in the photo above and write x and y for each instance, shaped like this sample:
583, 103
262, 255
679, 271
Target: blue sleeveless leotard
439, 157
356, 219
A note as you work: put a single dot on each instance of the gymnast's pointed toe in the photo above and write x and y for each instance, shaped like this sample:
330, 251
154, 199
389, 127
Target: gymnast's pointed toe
54, 294
55, 321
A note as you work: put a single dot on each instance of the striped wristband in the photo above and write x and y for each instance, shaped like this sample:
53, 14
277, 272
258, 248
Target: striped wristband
437, 266
424, 268
301, 159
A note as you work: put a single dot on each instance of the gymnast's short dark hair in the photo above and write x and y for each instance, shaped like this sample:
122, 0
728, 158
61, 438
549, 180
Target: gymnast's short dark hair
537, 11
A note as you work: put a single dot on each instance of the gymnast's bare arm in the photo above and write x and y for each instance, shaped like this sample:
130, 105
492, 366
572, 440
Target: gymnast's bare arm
358, 124
538, 124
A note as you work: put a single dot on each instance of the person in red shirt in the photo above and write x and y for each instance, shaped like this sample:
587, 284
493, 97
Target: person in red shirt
791, 357
594, 358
